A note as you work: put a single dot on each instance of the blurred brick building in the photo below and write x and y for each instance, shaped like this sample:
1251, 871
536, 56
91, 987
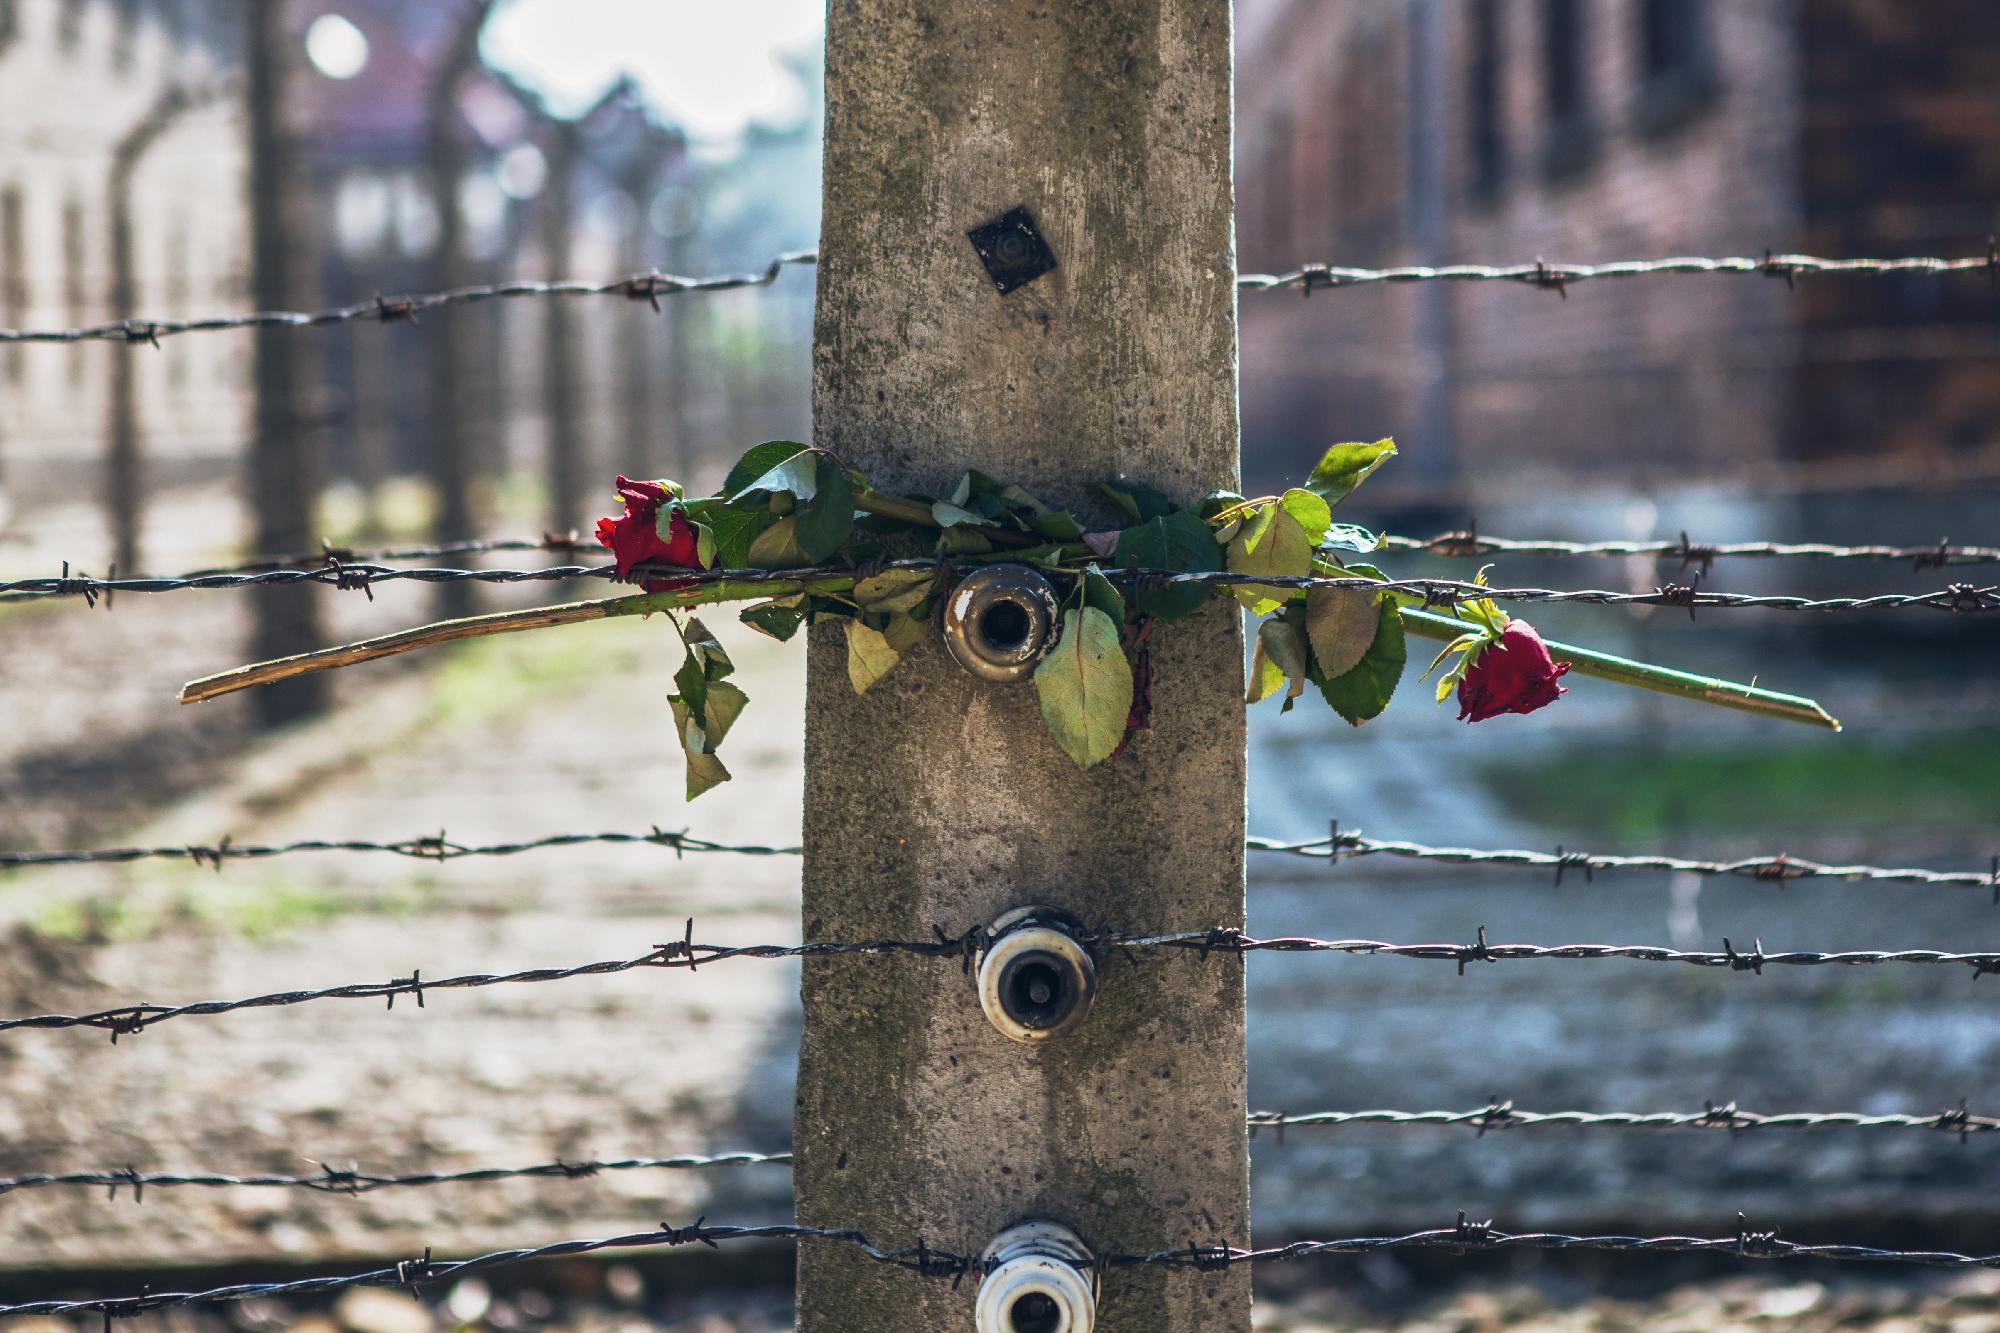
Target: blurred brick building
1432, 131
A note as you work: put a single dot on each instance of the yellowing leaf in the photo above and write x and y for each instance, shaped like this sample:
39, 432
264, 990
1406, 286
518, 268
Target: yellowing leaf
869, 656
1279, 657
777, 547
1341, 623
1085, 686
1270, 542
894, 590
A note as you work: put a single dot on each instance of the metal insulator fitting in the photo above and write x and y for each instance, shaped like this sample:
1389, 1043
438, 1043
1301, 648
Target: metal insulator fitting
1038, 1280
1036, 980
1000, 620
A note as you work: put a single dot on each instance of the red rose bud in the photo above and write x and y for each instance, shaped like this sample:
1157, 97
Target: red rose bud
1513, 674
634, 536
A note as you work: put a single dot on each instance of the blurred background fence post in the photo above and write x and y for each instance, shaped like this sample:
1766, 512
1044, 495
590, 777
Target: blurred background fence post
285, 470
935, 799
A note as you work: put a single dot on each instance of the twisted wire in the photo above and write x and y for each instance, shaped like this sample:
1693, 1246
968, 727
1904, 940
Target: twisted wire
1780, 869
1468, 544
1728, 1116
652, 284
1555, 277
353, 1181
434, 847
128, 1019
1959, 597
1465, 1236
648, 286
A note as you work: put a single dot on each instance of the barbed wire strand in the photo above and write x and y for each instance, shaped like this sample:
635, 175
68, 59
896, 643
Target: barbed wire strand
1556, 277
1780, 869
1500, 1114
1496, 1115
651, 284
128, 1019
1340, 845
648, 286
1465, 1236
354, 1181
1958, 597
431, 847
1460, 543
1468, 544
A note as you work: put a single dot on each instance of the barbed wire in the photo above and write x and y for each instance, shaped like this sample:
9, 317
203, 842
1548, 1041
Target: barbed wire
648, 286
686, 953
1958, 597
431, 847
1780, 869
651, 284
1467, 543
354, 1181
1461, 543
1464, 1236
1499, 1114
1495, 1115
1557, 277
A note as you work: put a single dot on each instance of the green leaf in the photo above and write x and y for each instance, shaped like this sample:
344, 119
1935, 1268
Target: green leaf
733, 529
1363, 691
1345, 466
1180, 542
1350, 537
1341, 624
704, 544
1099, 592
1058, 524
777, 547
894, 590
1085, 686
1139, 501
826, 517
963, 540
1271, 542
779, 618
949, 515
779, 467
1314, 515
869, 656
1280, 657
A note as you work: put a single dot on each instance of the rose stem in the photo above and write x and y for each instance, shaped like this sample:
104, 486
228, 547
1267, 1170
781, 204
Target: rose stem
1660, 680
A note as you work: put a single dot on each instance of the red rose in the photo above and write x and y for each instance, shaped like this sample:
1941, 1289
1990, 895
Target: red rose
634, 536
1513, 674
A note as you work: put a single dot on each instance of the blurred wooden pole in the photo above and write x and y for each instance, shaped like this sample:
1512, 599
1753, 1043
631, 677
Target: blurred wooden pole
566, 434
449, 461
285, 469
936, 799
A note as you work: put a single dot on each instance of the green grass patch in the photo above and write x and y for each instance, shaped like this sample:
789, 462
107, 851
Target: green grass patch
1843, 783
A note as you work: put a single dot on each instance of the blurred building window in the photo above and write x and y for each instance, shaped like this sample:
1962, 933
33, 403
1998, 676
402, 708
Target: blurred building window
13, 273
1485, 127
1566, 87
1678, 71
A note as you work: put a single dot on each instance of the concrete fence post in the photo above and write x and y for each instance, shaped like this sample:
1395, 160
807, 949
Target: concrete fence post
940, 800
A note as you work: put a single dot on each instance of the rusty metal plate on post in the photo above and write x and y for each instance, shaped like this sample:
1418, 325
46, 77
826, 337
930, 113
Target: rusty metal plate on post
1012, 249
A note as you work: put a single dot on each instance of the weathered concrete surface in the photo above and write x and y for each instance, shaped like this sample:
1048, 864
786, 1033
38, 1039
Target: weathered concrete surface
935, 799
